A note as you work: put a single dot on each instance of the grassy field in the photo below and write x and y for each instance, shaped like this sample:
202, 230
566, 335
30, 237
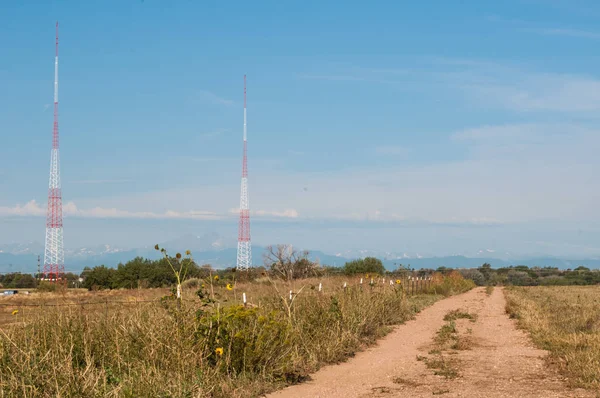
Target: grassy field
566, 322
132, 343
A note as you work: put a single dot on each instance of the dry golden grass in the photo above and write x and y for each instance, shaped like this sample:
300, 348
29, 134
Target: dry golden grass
29, 304
130, 343
566, 322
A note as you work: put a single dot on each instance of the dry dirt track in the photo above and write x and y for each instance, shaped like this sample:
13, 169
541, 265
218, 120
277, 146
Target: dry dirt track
501, 363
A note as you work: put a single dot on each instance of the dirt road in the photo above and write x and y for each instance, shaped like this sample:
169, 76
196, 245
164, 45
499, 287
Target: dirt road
500, 361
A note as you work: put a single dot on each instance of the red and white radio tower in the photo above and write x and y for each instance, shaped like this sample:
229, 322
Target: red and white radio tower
54, 255
244, 253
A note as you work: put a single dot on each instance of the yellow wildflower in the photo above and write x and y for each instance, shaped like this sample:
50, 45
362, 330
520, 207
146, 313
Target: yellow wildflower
187, 252
15, 312
219, 351
398, 281
229, 286
216, 277
367, 276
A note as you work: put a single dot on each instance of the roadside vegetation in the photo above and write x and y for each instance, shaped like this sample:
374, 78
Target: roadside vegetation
208, 343
566, 322
522, 275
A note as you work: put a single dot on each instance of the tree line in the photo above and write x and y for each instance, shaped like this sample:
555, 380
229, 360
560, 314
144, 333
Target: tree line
522, 275
283, 262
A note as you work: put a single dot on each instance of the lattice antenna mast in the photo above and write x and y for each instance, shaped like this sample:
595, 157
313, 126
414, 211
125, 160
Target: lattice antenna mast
54, 254
244, 253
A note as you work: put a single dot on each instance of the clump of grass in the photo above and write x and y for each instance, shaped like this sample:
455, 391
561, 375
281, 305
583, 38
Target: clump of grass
443, 366
445, 334
448, 338
205, 345
489, 290
459, 314
462, 343
566, 322
406, 382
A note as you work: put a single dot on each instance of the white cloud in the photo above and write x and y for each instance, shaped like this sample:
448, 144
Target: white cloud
521, 134
490, 84
32, 208
543, 92
511, 174
525, 90
529, 26
288, 213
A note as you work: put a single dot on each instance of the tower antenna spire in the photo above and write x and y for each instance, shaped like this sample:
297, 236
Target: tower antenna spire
54, 255
244, 253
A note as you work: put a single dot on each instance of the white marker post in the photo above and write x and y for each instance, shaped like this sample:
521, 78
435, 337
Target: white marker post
244, 298
290, 295
320, 286
361, 281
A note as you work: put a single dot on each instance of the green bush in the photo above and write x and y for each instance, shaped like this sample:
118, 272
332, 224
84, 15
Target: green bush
366, 265
474, 275
45, 286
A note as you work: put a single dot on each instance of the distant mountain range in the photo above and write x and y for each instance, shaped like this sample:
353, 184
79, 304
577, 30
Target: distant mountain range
221, 252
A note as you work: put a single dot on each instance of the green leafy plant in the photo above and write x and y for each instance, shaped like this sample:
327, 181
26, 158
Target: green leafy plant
179, 267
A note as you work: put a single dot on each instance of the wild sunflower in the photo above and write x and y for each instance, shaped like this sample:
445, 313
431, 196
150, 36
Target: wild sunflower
219, 351
229, 286
216, 277
398, 281
15, 312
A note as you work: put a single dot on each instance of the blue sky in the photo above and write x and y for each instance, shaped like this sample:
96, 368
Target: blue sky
424, 127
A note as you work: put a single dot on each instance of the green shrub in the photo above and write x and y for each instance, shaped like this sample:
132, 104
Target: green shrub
45, 286
368, 265
474, 275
